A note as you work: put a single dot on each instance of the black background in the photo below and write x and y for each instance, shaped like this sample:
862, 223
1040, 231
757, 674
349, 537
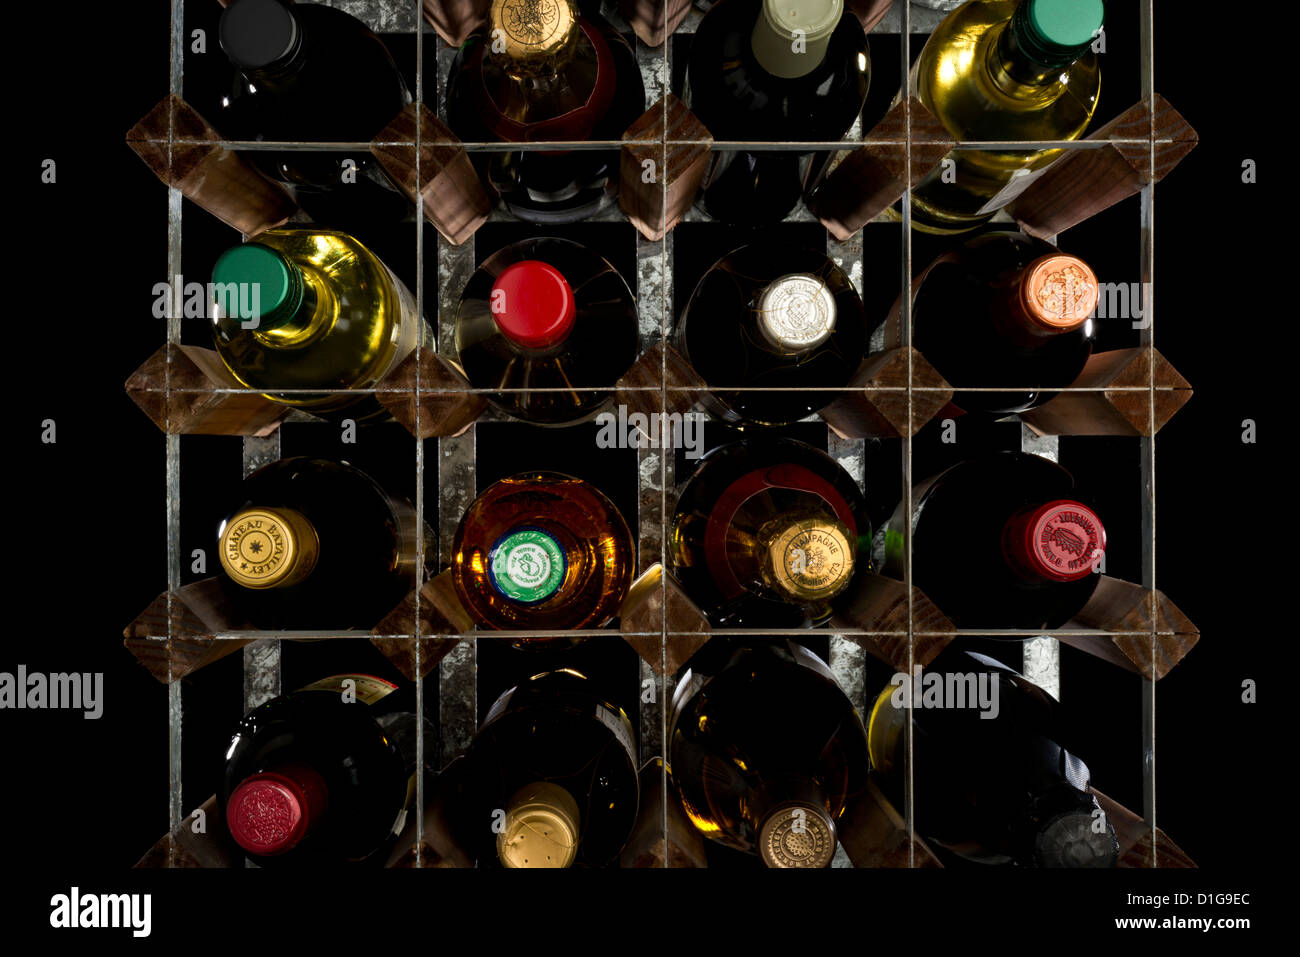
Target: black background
82, 800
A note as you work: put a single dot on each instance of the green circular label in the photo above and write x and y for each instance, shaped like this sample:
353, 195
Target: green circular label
527, 565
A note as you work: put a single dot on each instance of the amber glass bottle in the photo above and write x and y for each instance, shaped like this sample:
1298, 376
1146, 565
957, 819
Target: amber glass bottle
542, 551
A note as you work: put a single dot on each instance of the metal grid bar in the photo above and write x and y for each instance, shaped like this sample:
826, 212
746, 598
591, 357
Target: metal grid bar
455, 465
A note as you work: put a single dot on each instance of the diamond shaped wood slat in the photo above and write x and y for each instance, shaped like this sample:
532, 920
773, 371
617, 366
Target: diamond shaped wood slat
436, 174
205, 172
862, 183
1083, 182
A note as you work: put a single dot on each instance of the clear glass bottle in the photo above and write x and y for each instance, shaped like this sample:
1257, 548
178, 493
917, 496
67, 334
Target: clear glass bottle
312, 309
1003, 70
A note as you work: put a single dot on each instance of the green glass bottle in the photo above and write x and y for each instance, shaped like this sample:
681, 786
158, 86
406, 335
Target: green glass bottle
312, 318
1004, 71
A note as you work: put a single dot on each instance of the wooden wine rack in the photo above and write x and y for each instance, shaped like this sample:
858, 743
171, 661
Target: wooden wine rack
184, 390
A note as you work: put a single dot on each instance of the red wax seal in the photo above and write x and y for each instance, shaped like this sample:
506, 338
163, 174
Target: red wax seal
1060, 541
270, 812
532, 304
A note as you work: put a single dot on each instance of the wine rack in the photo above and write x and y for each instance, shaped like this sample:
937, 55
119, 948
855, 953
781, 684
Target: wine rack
883, 428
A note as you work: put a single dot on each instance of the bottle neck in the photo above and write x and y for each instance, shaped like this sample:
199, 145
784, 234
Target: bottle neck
271, 812
268, 548
264, 40
790, 38
1022, 56
531, 39
540, 827
796, 313
793, 824
806, 558
1053, 295
1059, 541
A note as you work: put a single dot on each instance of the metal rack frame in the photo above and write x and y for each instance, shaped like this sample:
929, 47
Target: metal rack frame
455, 457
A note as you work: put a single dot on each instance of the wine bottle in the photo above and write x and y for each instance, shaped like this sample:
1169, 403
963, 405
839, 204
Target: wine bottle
544, 70
1003, 71
544, 551
772, 71
309, 73
550, 778
317, 545
766, 752
323, 775
552, 323
313, 311
989, 781
1005, 309
1001, 541
767, 533
773, 318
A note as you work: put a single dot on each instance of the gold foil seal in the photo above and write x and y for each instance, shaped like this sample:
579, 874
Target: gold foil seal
541, 828
268, 547
798, 835
531, 29
810, 559
1059, 292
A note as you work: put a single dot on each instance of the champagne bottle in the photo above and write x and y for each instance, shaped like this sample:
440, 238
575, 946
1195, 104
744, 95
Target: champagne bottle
317, 545
544, 70
313, 74
550, 778
769, 318
313, 311
771, 71
1004, 309
766, 752
989, 781
1003, 71
767, 534
323, 775
1001, 541
544, 551
553, 323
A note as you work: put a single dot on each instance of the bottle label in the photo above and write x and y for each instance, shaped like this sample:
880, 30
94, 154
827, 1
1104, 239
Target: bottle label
527, 565
618, 724
367, 688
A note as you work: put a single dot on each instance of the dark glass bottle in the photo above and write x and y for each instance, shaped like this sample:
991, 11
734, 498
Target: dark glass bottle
542, 551
767, 534
317, 545
313, 74
765, 317
990, 783
550, 779
1005, 309
542, 70
323, 775
1001, 541
766, 751
551, 322
750, 78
